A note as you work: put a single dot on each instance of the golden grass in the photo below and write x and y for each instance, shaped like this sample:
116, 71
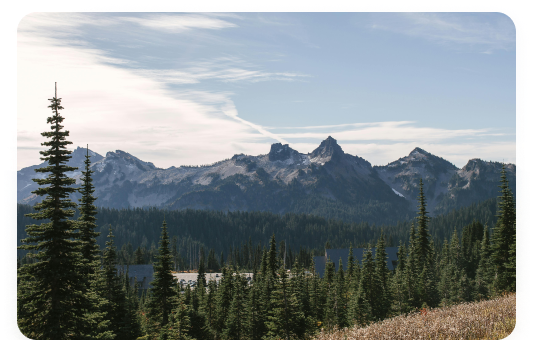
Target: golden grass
491, 319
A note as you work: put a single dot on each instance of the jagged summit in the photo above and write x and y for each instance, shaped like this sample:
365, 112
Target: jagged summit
328, 149
127, 158
279, 152
418, 150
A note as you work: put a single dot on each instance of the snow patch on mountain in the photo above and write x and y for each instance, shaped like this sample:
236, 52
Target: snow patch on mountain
397, 193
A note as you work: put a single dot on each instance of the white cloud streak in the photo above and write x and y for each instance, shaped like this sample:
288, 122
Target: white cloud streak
390, 131
452, 29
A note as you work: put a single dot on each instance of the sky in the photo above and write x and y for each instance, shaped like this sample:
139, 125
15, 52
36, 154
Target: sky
195, 88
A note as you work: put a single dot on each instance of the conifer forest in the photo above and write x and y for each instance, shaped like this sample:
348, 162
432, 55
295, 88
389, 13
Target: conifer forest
70, 287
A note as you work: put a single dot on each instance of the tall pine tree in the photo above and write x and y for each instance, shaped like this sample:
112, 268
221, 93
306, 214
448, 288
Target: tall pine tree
87, 219
51, 300
504, 239
381, 282
163, 294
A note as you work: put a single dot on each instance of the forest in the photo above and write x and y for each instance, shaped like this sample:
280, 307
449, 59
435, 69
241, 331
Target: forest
69, 287
242, 236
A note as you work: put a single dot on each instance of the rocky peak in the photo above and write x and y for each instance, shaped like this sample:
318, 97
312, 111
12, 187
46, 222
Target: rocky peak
78, 155
127, 158
328, 149
279, 152
418, 151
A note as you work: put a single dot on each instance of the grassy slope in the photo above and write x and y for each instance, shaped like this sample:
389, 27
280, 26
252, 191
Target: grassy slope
491, 319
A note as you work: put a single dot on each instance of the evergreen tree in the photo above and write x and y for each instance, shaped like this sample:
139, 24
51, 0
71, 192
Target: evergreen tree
316, 298
119, 310
198, 329
445, 282
516, 253
381, 282
361, 305
351, 267
201, 271
472, 236
329, 292
272, 263
254, 316
223, 302
286, 319
163, 294
208, 306
180, 320
399, 289
340, 302
52, 303
411, 273
427, 281
504, 238
234, 328
484, 272
422, 243
87, 219
98, 315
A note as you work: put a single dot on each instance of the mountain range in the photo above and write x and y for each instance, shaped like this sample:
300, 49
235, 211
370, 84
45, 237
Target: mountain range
326, 182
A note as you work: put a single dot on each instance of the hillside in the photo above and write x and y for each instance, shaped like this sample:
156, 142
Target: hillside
491, 319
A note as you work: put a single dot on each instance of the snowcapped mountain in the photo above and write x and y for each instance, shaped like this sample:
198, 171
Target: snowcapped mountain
327, 182
445, 186
25, 185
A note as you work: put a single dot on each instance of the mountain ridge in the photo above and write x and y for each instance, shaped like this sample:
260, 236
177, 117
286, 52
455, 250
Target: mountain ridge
326, 181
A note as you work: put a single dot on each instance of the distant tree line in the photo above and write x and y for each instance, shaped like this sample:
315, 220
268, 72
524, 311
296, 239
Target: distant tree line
230, 236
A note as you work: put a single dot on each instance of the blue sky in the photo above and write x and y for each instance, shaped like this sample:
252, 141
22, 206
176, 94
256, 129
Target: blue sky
179, 89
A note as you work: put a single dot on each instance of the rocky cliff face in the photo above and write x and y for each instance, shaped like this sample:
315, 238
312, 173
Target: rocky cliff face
446, 187
326, 182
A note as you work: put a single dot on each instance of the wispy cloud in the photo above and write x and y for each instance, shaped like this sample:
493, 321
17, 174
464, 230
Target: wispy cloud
399, 131
178, 22
225, 69
452, 29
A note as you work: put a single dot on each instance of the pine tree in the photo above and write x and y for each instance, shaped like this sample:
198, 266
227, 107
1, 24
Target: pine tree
98, 315
411, 272
272, 262
329, 295
472, 236
351, 267
116, 305
399, 289
422, 243
381, 282
163, 294
223, 301
234, 328
87, 219
361, 310
254, 316
180, 320
517, 251
340, 296
484, 272
51, 300
208, 306
316, 298
201, 271
427, 281
504, 239
286, 319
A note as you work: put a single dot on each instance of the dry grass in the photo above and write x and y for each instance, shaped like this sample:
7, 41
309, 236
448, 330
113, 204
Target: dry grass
491, 319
